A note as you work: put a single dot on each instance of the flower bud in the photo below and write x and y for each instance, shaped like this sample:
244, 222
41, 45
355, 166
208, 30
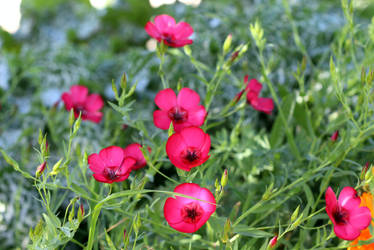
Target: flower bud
40, 169
224, 178
234, 56
273, 241
227, 44
295, 214
334, 136
238, 96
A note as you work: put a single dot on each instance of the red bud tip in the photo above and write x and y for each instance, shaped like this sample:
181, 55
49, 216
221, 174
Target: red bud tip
124, 234
234, 56
335, 136
273, 241
82, 209
238, 96
41, 168
366, 167
124, 126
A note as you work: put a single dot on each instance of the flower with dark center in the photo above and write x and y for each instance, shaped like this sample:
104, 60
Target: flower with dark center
80, 101
348, 217
187, 215
183, 110
166, 30
111, 165
188, 148
192, 212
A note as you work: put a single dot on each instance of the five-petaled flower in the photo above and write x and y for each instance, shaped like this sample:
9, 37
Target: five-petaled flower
133, 151
164, 29
79, 100
346, 214
184, 110
188, 148
188, 215
253, 89
111, 165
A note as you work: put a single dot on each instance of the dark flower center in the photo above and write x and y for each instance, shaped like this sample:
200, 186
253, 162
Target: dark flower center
341, 216
80, 109
191, 155
111, 173
192, 212
168, 38
178, 115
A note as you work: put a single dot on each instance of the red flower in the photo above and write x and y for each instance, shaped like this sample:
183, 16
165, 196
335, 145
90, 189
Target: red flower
346, 214
335, 136
111, 165
183, 111
133, 151
253, 88
188, 215
79, 100
188, 148
166, 30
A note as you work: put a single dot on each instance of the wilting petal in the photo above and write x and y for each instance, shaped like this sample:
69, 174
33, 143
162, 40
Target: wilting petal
360, 217
112, 156
94, 102
161, 119
346, 232
265, 105
164, 22
166, 99
348, 198
254, 86
188, 99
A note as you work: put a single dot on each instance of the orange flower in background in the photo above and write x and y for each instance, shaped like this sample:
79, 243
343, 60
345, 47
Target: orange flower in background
367, 201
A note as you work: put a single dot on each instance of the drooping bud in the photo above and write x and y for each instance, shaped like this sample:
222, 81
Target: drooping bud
40, 169
273, 241
335, 136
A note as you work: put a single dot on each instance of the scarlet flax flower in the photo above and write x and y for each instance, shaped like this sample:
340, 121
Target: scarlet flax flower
183, 111
166, 30
188, 215
111, 165
133, 151
346, 214
366, 201
188, 148
253, 89
80, 101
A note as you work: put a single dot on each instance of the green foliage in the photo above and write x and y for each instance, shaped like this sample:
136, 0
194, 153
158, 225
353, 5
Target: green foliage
315, 59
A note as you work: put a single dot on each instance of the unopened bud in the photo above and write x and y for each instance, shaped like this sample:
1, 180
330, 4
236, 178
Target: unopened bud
238, 96
224, 178
227, 44
335, 136
234, 56
273, 241
40, 169
295, 214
